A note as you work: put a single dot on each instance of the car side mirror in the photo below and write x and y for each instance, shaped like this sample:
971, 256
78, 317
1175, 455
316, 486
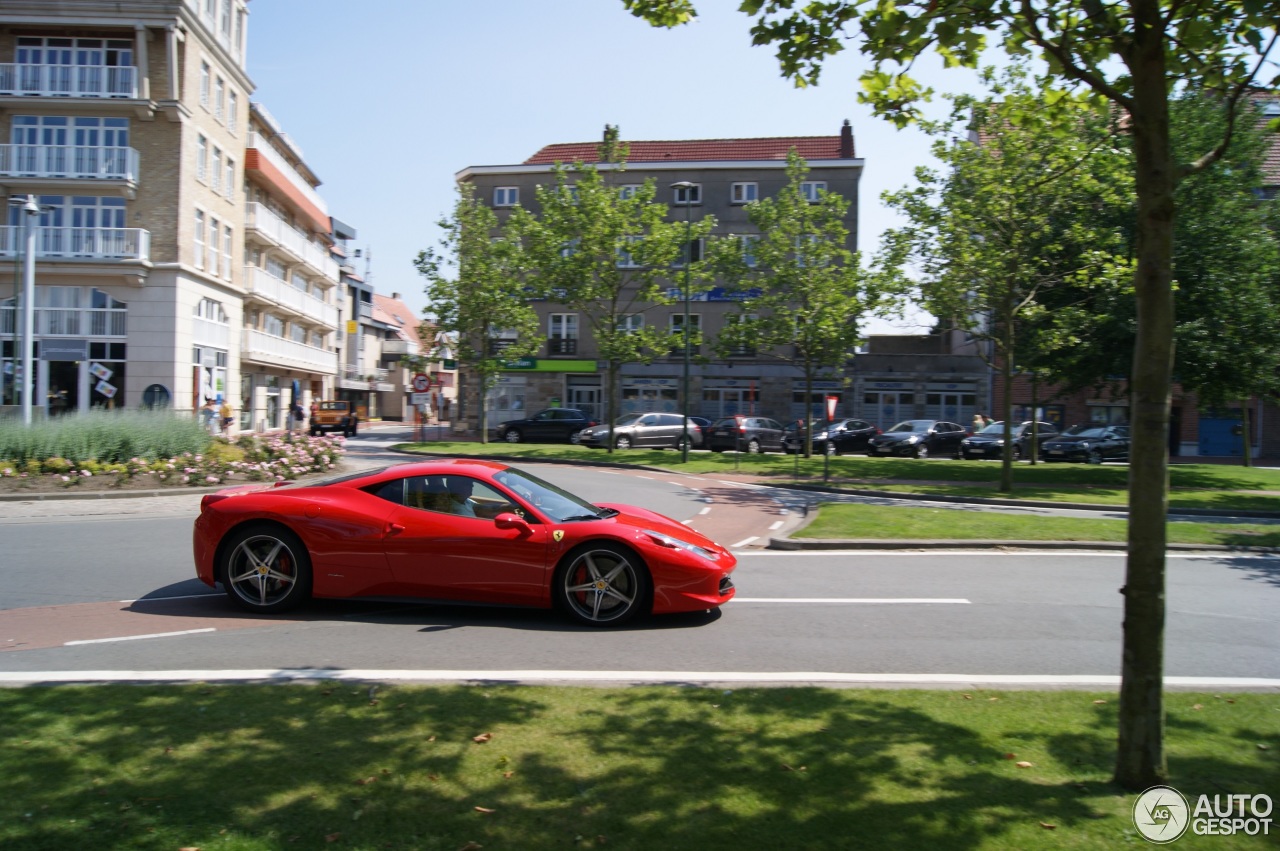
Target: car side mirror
507, 520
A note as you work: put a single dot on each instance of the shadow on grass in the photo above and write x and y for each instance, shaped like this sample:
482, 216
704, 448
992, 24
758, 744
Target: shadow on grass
344, 765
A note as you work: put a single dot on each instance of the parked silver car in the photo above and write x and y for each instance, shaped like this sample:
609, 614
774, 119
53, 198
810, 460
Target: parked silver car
645, 430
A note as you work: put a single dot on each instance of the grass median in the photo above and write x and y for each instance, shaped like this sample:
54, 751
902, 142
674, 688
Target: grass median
248, 767
1211, 486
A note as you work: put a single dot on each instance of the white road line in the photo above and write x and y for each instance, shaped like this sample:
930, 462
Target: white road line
626, 677
955, 601
776, 525
182, 597
706, 510
638, 476
744, 542
138, 637
916, 553
741, 485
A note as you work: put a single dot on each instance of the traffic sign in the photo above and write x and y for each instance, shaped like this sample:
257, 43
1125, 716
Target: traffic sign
422, 382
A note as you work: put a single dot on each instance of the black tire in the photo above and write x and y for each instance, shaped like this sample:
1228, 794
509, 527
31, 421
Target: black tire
575, 437
265, 568
1017, 452
622, 442
1094, 457
831, 448
716, 449
512, 435
602, 584
922, 451
753, 447
683, 443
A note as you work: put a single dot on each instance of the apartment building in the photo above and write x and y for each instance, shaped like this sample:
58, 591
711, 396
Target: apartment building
182, 251
726, 174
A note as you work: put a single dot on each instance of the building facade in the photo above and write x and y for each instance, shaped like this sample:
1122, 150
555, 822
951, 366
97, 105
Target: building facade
726, 174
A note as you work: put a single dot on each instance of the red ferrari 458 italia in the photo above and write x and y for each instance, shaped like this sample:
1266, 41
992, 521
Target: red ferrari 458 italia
463, 530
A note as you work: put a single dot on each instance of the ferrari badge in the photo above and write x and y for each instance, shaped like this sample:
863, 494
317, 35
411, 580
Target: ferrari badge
558, 535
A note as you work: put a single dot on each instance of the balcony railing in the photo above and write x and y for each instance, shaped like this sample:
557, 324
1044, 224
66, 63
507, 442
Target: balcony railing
268, 153
80, 243
399, 347
71, 321
260, 218
284, 294
69, 81
69, 161
206, 332
562, 346
259, 346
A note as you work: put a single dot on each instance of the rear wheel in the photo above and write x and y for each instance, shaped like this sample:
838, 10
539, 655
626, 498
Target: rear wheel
602, 584
1017, 452
265, 568
511, 435
683, 443
753, 446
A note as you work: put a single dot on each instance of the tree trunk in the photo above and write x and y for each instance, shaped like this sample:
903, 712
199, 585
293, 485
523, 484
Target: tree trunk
610, 400
1006, 406
1244, 432
1140, 758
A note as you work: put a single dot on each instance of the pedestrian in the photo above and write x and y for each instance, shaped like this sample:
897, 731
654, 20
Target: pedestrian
208, 414
979, 422
225, 417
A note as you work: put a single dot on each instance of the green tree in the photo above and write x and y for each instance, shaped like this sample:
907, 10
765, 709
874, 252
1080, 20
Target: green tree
1011, 216
801, 291
485, 296
1134, 55
607, 252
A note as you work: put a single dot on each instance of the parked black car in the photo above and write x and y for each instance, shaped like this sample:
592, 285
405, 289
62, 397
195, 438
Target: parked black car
652, 429
835, 438
550, 426
989, 443
746, 434
918, 439
1092, 443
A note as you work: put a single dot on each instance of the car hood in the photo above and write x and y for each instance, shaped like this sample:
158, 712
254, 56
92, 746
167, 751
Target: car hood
985, 438
1069, 439
897, 436
643, 518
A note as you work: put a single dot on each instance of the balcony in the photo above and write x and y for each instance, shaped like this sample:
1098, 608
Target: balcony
267, 165
399, 347
562, 346
71, 321
53, 243
68, 81
282, 294
69, 162
355, 378
277, 351
260, 221
206, 332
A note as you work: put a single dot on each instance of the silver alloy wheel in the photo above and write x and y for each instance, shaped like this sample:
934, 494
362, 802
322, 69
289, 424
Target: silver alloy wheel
575, 437
831, 447
922, 451
753, 446
623, 442
511, 435
683, 443
603, 584
266, 571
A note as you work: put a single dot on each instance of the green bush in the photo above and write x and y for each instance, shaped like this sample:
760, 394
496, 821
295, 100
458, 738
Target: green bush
108, 437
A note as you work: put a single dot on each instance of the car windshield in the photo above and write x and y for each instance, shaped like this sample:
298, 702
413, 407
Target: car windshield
912, 426
994, 428
557, 504
1086, 431
727, 422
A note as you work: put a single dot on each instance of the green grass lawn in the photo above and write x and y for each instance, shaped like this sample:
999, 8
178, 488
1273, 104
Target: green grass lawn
1191, 485
247, 767
881, 522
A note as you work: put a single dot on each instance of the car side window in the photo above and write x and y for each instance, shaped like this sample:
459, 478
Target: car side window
773, 424
392, 491
458, 495
648, 420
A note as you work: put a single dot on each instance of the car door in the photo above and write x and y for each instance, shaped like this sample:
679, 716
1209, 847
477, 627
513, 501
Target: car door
771, 433
438, 554
947, 437
646, 430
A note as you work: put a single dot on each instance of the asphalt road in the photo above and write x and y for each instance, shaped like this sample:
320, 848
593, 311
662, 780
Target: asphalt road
109, 589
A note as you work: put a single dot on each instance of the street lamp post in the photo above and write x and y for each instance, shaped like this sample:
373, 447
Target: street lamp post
688, 264
31, 213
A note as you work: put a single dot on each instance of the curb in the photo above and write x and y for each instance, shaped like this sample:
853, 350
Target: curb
792, 544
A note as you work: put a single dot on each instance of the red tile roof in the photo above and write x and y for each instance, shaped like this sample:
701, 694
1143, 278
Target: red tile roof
697, 150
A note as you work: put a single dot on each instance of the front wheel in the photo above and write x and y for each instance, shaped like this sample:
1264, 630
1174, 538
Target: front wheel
511, 435
922, 451
1095, 457
831, 448
602, 584
265, 568
575, 437
623, 442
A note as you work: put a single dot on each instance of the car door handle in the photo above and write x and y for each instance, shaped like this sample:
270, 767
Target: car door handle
393, 529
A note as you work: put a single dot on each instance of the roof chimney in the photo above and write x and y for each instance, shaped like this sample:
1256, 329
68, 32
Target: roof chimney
846, 141
396, 296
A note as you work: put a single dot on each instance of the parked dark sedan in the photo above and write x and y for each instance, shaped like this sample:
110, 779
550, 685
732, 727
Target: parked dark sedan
746, 434
918, 439
989, 443
835, 438
553, 425
1092, 443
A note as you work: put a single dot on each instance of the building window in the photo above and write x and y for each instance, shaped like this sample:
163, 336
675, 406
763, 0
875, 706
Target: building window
202, 157
215, 174
298, 334
686, 196
1109, 414
741, 350
229, 179
273, 325
810, 189
562, 334
743, 193
212, 255
628, 190
749, 250
506, 196
695, 330
233, 108
631, 323
219, 97
199, 245
205, 73
625, 259
690, 249
227, 247
211, 310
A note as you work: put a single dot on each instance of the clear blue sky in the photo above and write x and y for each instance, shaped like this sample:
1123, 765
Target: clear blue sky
388, 99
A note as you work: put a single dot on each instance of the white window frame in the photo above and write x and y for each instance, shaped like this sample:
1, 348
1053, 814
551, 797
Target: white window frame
202, 158
233, 107
206, 73
687, 196
229, 178
629, 190
810, 189
625, 259
632, 323
744, 193
212, 254
228, 246
506, 196
199, 239
677, 323
562, 326
219, 98
215, 171
748, 242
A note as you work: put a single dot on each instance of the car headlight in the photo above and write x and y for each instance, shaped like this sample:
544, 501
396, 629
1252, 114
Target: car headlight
915, 438
669, 542
1084, 446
